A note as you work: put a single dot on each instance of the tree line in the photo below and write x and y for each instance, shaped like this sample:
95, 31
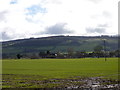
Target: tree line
97, 53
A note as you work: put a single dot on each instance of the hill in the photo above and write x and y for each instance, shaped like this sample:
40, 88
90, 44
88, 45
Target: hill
58, 44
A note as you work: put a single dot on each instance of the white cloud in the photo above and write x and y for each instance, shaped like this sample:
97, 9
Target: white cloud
27, 17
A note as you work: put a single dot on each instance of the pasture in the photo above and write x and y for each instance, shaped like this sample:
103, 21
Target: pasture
23, 72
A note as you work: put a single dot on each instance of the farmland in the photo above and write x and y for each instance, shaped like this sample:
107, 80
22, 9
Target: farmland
31, 73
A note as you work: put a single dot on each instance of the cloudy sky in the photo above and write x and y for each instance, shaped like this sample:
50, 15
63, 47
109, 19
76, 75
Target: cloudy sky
38, 18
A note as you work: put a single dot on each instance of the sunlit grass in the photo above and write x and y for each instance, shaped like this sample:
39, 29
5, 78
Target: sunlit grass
62, 68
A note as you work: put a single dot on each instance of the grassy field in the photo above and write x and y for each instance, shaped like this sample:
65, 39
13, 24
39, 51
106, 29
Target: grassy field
15, 71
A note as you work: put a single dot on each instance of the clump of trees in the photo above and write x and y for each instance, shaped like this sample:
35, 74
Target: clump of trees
19, 56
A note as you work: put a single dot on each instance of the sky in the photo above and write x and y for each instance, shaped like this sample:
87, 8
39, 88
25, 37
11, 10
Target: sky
21, 19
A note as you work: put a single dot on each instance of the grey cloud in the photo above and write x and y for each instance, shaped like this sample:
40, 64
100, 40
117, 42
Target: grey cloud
103, 25
96, 30
9, 33
58, 28
5, 33
5, 36
2, 15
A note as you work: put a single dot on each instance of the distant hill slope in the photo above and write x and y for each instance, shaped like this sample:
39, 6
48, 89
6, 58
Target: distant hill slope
58, 44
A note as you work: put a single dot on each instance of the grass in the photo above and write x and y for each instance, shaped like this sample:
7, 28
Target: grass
62, 67
29, 70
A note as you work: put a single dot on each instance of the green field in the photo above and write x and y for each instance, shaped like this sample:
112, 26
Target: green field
16, 70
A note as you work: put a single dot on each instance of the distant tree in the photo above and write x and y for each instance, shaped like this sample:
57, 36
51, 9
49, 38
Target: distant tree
48, 52
98, 50
70, 52
117, 53
19, 56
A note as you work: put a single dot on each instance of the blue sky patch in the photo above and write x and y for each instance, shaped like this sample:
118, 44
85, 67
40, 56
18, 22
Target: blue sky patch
35, 9
13, 2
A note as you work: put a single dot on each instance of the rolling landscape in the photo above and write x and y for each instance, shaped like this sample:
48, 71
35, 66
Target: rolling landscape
57, 44
59, 72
